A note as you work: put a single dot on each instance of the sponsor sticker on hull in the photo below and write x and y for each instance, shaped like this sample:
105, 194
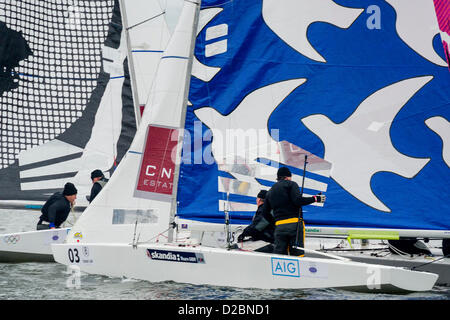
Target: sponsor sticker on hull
55, 236
285, 267
156, 175
175, 256
11, 239
314, 270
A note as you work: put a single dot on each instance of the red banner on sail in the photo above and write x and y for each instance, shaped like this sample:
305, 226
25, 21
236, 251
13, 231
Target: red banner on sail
157, 167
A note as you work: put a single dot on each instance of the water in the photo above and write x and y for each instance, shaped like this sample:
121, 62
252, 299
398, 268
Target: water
31, 281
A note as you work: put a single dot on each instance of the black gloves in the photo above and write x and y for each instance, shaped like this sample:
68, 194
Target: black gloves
248, 232
320, 198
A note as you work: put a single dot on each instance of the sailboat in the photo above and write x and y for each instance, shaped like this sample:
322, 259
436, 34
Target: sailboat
91, 120
249, 71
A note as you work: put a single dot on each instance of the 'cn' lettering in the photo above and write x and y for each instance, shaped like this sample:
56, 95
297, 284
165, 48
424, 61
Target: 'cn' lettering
148, 169
164, 172
167, 173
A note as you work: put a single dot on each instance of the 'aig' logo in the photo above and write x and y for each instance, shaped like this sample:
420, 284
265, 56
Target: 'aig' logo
285, 267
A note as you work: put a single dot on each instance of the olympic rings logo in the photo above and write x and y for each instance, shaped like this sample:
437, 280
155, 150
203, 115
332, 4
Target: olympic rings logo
12, 239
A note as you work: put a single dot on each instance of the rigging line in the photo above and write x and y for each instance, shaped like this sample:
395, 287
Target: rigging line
157, 236
192, 1
145, 100
353, 250
111, 112
427, 263
399, 252
146, 20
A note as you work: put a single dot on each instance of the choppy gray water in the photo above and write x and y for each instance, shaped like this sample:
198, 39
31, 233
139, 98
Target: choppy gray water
29, 281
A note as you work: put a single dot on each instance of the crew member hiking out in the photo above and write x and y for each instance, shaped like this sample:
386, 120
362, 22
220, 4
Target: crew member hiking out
286, 201
99, 181
57, 208
261, 228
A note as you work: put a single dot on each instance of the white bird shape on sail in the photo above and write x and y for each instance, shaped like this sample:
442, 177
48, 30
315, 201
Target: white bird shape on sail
248, 120
199, 70
361, 146
441, 127
290, 20
418, 33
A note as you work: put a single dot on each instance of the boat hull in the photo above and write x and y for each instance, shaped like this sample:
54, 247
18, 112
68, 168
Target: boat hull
235, 268
374, 252
32, 246
439, 265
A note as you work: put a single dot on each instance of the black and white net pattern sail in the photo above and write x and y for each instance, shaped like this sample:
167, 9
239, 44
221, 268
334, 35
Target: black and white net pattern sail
52, 82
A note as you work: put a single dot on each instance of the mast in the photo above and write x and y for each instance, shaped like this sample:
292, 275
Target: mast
173, 207
131, 64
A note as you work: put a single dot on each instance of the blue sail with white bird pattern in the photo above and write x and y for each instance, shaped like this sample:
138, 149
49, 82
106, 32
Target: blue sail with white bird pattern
359, 85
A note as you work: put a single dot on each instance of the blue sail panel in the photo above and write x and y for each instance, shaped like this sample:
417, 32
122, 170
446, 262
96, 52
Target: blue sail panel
352, 82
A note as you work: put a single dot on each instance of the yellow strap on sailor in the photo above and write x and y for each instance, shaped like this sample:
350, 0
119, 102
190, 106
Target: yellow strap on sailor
290, 220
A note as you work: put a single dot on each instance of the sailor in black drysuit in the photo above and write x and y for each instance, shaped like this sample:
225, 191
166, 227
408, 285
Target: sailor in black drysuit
261, 228
285, 200
57, 208
446, 247
99, 181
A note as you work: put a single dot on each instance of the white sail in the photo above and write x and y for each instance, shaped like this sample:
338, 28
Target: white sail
100, 222
147, 37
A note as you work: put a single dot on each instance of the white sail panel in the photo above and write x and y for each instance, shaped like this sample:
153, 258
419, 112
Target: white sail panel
148, 37
96, 223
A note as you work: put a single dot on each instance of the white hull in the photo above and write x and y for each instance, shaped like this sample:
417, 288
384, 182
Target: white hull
235, 268
32, 246
375, 252
435, 265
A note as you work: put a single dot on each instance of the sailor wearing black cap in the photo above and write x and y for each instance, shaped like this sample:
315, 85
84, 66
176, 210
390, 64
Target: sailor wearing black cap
57, 208
99, 181
286, 201
262, 227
